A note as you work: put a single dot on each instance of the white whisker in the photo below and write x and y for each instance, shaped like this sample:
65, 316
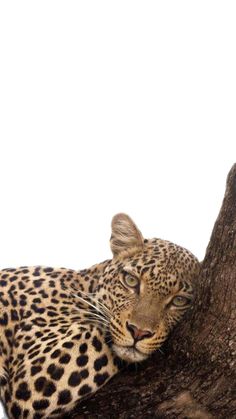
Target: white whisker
101, 305
109, 341
82, 311
87, 302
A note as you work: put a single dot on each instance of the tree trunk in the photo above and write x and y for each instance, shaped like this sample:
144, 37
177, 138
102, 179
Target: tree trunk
195, 376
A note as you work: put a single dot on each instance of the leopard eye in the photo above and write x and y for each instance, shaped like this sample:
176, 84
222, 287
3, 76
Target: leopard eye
131, 281
180, 301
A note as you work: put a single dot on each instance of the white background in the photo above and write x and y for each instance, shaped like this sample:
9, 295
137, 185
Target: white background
107, 107
110, 106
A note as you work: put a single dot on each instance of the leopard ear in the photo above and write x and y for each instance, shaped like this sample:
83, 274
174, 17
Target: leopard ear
125, 235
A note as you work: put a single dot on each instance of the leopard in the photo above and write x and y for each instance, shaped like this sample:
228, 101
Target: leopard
65, 333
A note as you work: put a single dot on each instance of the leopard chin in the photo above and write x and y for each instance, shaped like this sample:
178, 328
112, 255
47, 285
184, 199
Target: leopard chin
129, 353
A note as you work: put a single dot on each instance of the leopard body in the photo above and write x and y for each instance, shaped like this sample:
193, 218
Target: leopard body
65, 333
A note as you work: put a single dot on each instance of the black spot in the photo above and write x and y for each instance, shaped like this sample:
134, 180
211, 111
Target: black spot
48, 337
25, 413
87, 335
48, 269
55, 372
68, 345
64, 397
39, 360
14, 302
65, 359
56, 411
63, 295
23, 269
56, 353
91, 286
3, 381
21, 375
85, 389
27, 314
34, 348
83, 348
4, 319
97, 344
39, 383
38, 416
39, 321
3, 283
14, 315
84, 373
118, 363
55, 301
39, 334
53, 342
47, 349
33, 354
16, 411
38, 283
100, 379
27, 345
7, 396
4, 302
52, 313
36, 272
43, 294
74, 379
52, 283
35, 369
26, 327
82, 360
40, 404
100, 362
8, 333
36, 300
37, 309
77, 337
49, 389
23, 393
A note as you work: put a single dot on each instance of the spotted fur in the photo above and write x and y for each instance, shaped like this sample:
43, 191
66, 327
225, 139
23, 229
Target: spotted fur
64, 332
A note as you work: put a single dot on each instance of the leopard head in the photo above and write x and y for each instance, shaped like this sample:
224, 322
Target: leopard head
147, 287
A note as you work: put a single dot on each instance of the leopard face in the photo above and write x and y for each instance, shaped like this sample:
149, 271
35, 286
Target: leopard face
148, 286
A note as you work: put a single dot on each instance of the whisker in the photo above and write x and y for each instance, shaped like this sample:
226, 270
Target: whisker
91, 296
82, 311
96, 301
87, 302
109, 341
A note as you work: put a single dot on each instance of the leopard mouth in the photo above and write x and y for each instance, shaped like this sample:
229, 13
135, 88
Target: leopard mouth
129, 353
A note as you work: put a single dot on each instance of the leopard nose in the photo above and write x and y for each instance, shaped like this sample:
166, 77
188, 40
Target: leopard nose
138, 334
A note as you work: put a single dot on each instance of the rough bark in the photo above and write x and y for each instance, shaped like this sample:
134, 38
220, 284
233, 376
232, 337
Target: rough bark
195, 376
